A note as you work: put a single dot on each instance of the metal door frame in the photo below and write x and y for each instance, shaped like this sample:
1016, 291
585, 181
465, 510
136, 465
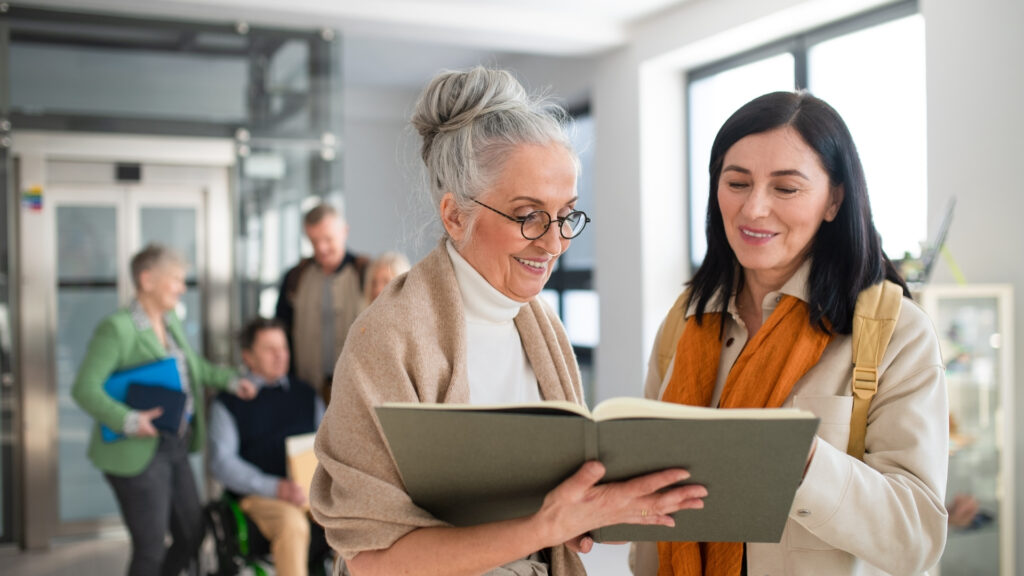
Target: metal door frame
9, 414
127, 200
168, 159
57, 196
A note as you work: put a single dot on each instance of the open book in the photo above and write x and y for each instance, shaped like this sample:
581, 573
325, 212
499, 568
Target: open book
470, 464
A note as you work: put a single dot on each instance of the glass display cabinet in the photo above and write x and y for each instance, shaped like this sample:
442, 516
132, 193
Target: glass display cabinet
975, 329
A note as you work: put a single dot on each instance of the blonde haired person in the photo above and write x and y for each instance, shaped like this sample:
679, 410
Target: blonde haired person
381, 272
465, 325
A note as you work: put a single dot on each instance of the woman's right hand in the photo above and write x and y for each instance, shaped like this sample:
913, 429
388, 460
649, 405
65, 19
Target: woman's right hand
579, 504
146, 427
572, 509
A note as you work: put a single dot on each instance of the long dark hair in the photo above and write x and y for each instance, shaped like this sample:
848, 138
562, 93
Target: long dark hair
846, 253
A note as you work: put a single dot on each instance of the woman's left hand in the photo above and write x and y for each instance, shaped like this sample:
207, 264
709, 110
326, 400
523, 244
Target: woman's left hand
246, 390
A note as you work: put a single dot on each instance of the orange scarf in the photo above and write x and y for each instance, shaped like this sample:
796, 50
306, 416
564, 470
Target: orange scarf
781, 352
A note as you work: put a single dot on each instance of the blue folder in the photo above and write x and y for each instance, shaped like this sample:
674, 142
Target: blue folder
162, 373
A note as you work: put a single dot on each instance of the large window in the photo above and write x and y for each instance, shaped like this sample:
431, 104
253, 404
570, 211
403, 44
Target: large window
870, 68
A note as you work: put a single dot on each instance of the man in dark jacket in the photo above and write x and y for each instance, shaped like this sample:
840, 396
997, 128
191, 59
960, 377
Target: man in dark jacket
320, 298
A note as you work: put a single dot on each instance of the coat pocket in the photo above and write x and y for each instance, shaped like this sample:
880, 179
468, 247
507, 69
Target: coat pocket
834, 413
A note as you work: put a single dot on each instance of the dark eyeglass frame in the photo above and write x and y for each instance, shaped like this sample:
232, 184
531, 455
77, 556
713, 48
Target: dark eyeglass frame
561, 221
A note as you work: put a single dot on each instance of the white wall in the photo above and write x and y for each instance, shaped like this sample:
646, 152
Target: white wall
569, 80
384, 201
618, 273
975, 126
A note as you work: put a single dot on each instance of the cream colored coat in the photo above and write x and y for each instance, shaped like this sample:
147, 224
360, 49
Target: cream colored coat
885, 515
410, 346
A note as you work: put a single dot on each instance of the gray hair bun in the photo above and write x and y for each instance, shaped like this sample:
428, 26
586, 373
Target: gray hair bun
470, 120
453, 100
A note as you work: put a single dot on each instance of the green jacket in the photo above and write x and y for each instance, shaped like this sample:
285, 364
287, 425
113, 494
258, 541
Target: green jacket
117, 344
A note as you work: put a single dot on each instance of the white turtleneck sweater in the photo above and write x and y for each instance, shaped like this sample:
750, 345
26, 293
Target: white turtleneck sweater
498, 370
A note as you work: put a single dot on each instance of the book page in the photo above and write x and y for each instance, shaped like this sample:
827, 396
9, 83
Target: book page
627, 408
618, 409
544, 407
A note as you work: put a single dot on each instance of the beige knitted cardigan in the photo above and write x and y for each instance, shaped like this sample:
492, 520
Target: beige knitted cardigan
410, 346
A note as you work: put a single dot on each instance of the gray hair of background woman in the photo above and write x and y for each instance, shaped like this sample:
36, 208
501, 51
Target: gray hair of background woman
471, 121
152, 256
396, 261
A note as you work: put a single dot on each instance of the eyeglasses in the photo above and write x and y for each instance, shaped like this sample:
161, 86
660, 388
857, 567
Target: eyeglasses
536, 223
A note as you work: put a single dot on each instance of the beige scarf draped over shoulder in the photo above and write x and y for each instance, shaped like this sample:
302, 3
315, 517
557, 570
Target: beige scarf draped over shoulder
410, 346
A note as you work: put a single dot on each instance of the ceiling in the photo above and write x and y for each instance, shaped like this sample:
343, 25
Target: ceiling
554, 27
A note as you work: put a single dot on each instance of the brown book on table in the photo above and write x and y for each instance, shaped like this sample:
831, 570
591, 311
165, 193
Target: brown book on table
470, 464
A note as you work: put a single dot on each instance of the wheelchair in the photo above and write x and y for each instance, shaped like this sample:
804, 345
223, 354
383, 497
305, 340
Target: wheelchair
239, 547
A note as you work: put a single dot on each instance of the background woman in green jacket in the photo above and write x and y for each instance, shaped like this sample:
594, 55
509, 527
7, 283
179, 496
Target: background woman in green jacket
147, 468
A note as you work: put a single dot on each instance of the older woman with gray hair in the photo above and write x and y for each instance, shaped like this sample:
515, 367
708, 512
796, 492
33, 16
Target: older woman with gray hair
465, 325
148, 467
381, 272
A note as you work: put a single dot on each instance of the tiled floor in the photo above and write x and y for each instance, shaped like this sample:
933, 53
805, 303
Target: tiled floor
108, 556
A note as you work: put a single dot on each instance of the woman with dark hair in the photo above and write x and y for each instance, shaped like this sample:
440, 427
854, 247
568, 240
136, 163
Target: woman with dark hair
768, 322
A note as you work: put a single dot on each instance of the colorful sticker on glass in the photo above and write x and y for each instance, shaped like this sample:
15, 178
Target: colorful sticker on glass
32, 198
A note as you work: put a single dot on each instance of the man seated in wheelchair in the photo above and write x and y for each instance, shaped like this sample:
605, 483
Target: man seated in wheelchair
247, 449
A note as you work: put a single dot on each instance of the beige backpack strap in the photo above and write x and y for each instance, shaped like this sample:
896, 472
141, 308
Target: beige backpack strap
874, 319
671, 332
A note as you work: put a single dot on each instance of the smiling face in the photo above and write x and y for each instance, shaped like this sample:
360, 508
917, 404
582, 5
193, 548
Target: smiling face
162, 286
269, 354
774, 194
534, 177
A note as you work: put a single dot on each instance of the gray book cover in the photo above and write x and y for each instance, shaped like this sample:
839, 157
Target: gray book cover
469, 465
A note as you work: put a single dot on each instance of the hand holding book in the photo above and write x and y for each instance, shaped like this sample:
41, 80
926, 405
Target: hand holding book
146, 418
289, 491
580, 503
469, 465
161, 374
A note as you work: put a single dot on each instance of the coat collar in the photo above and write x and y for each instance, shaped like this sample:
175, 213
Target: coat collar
796, 286
148, 336
544, 343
